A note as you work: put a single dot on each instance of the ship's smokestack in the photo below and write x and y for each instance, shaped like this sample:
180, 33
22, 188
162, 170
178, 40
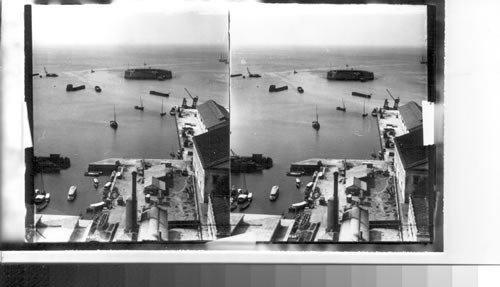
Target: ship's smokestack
131, 207
335, 201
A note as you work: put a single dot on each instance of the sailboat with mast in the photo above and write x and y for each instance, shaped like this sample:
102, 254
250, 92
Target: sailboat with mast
113, 124
162, 111
141, 107
315, 124
343, 106
364, 112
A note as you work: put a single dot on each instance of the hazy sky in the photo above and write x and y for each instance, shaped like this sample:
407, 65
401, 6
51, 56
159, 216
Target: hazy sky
348, 25
251, 24
112, 24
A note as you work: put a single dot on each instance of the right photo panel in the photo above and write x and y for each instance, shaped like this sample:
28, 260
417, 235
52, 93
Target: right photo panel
327, 124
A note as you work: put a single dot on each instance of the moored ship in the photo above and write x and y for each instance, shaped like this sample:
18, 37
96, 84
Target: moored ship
350, 75
148, 74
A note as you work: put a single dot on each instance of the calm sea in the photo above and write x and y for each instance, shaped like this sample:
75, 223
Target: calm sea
76, 124
278, 125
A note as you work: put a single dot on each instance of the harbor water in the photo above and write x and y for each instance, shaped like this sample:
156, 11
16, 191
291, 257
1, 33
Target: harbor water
279, 125
76, 124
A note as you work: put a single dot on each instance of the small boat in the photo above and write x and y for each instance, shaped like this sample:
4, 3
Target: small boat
368, 96
96, 181
113, 124
294, 173
107, 185
298, 206
242, 197
223, 59
297, 182
309, 185
49, 75
300, 90
250, 75
294, 71
172, 111
141, 107
365, 114
250, 196
97, 89
374, 112
273, 195
236, 75
93, 173
315, 124
72, 193
162, 112
42, 206
39, 198
245, 205
341, 108
234, 204
92, 71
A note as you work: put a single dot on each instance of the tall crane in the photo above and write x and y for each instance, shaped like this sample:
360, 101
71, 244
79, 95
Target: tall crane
396, 101
195, 99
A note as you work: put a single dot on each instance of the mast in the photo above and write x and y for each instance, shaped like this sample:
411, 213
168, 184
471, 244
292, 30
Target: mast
364, 107
343, 104
244, 182
41, 177
162, 106
114, 113
317, 114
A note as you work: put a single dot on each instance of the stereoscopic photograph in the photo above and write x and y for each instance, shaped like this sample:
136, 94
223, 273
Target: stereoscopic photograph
264, 124
327, 126
131, 124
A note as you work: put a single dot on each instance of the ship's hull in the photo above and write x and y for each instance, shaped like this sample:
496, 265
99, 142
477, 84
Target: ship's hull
148, 74
350, 75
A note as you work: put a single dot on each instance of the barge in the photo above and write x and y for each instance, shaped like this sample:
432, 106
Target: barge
148, 74
71, 88
273, 88
356, 94
50, 164
255, 163
350, 75
155, 93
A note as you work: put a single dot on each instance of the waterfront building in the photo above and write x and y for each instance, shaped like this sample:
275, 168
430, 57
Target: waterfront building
210, 158
153, 225
410, 162
355, 186
418, 219
410, 117
212, 116
355, 225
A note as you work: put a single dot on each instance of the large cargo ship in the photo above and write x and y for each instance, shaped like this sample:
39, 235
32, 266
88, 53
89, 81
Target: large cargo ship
148, 74
350, 75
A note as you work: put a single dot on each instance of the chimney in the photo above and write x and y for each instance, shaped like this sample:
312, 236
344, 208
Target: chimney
131, 208
335, 201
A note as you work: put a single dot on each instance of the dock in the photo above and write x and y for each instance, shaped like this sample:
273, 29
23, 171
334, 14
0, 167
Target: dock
253, 227
180, 202
378, 200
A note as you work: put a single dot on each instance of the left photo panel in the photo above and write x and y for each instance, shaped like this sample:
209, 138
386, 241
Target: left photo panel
130, 125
